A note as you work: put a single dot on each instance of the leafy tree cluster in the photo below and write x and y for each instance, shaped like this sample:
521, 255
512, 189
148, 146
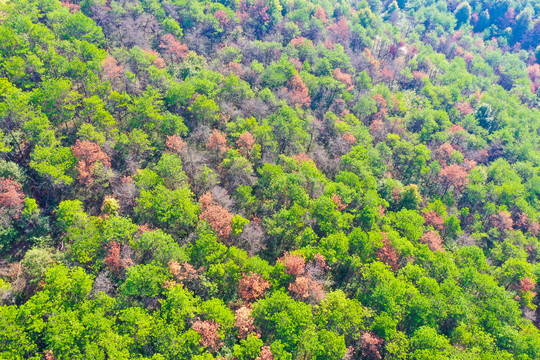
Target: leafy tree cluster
268, 179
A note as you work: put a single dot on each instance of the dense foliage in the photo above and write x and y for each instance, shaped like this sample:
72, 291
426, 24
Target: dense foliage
269, 179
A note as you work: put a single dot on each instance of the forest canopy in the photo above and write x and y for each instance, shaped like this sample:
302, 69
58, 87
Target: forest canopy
269, 179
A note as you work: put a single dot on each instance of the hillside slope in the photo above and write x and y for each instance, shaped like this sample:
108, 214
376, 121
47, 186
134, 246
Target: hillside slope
269, 179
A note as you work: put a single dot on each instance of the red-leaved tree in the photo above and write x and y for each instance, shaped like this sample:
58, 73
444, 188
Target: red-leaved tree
337, 200
526, 224
11, 198
304, 288
252, 287
388, 254
434, 219
349, 138
245, 142
175, 49
526, 284
302, 157
464, 108
343, 78
110, 68
502, 221
371, 346
89, 155
217, 141
208, 330
175, 144
444, 152
114, 260
266, 354
453, 175
299, 93
217, 216
222, 17
157, 59
340, 31
244, 322
433, 240
321, 15
294, 264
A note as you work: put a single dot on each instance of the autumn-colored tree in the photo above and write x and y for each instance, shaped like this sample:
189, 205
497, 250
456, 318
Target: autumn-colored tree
175, 144
453, 175
217, 141
258, 8
294, 264
184, 272
534, 74
502, 221
526, 284
445, 151
373, 62
222, 17
256, 15
11, 198
344, 78
371, 346
301, 41
114, 260
245, 142
526, 224
266, 354
111, 69
388, 254
219, 218
455, 128
11, 201
522, 221
434, 219
378, 130
141, 229
299, 93
173, 47
337, 200
349, 138
208, 329
306, 289
244, 322
302, 157
382, 106
433, 240
385, 74
340, 31
252, 287
464, 108
321, 15
72, 7
534, 228
157, 59
89, 155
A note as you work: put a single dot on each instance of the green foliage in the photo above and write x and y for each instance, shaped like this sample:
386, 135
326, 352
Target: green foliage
144, 281
282, 318
173, 210
377, 184
249, 348
55, 163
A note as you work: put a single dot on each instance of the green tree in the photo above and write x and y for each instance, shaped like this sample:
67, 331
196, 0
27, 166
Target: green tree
171, 210
282, 318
